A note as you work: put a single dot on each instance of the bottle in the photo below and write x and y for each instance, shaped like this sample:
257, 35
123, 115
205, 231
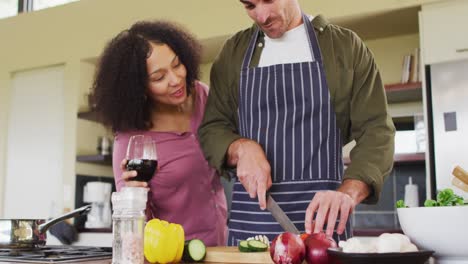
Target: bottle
128, 222
104, 146
411, 194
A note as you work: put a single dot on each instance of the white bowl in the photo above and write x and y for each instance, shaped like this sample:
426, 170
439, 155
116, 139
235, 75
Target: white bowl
442, 229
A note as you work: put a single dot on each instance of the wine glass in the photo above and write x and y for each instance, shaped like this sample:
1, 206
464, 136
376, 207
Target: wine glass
141, 157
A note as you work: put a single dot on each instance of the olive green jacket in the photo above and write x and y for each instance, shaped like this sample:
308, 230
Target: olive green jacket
356, 91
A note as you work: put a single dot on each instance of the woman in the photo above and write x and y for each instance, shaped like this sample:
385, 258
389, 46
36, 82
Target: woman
146, 83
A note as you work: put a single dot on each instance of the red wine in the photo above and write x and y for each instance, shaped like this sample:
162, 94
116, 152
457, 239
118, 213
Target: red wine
145, 168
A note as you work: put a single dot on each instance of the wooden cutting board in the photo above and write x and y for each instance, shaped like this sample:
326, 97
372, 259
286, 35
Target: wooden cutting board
233, 255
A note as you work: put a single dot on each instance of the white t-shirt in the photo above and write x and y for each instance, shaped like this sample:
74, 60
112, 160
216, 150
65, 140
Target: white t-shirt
292, 47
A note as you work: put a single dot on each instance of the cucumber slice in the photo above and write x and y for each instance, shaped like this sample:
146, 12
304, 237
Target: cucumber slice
243, 246
194, 250
257, 246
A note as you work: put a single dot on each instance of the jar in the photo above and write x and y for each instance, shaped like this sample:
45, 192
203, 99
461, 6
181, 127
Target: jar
128, 223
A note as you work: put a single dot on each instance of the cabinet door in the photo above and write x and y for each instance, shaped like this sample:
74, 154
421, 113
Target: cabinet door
35, 146
444, 31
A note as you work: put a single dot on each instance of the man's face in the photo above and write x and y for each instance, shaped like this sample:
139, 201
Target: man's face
274, 17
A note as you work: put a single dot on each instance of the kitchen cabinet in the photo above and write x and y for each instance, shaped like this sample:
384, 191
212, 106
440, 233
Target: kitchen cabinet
443, 31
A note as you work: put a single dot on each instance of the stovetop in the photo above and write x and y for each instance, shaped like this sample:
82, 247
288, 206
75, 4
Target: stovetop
55, 254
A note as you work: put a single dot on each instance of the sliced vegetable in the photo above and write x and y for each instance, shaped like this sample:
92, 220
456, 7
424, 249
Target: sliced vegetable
262, 238
257, 246
194, 250
244, 246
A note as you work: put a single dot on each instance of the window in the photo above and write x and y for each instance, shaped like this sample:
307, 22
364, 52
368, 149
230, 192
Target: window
41, 4
8, 8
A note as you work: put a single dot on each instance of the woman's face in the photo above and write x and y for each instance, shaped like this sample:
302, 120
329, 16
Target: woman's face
167, 76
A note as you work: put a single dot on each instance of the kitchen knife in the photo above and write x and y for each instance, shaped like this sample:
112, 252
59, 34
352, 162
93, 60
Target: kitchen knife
280, 216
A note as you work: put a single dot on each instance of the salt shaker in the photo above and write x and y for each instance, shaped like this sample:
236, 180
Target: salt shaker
128, 222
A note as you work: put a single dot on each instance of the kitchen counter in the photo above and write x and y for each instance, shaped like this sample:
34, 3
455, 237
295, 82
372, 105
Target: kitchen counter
103, 261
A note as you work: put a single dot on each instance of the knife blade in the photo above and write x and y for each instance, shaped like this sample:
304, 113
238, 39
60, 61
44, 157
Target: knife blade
280, 216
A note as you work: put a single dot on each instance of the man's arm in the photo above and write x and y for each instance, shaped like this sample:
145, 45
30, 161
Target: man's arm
371, 158
219, 128
222, 145
371, 125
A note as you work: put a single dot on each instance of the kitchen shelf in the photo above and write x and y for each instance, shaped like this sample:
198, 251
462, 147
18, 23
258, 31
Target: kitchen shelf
396, 93
403, 92
88, 115
409, 157
96, 159
401, 158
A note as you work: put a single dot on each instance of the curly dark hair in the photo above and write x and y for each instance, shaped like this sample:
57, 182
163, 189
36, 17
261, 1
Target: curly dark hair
118, 94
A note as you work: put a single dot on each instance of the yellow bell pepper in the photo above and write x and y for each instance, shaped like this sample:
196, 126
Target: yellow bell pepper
163, 242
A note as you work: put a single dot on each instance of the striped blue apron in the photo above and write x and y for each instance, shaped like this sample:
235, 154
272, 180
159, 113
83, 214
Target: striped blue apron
286, 108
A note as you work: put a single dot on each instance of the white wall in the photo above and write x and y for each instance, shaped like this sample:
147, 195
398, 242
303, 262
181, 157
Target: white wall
33, 184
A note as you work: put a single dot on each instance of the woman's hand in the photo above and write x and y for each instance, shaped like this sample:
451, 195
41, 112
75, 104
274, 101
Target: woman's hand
128, 176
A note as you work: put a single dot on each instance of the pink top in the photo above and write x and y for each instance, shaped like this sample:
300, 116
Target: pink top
185, 189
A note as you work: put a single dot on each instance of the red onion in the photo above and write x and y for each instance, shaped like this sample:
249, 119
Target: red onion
316, 248
287, 248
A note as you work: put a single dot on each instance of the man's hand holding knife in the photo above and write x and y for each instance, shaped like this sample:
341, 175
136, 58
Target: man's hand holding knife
254, 172
253, 168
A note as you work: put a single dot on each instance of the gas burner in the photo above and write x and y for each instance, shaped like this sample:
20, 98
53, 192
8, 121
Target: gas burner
55, 254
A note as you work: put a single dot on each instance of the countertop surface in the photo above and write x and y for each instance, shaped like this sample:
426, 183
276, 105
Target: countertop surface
103, 261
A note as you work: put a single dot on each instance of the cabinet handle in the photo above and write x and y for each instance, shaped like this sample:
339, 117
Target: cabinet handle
462, 50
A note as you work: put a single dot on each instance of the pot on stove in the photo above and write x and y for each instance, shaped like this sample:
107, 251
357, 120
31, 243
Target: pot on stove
30, 233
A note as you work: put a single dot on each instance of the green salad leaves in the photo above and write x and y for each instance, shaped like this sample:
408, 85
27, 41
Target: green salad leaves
445, 197
400, 204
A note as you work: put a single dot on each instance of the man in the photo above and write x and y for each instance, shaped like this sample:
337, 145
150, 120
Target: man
285, 95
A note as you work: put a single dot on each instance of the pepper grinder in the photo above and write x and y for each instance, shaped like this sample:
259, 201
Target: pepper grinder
128, 223
411, 194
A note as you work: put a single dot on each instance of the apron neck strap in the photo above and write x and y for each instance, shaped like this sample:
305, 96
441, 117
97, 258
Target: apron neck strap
313, 43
